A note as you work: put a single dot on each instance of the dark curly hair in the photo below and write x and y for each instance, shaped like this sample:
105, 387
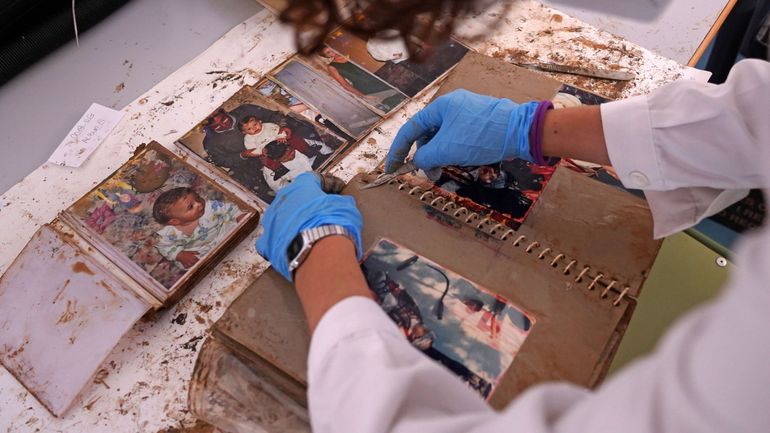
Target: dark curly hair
166, 200
417, 21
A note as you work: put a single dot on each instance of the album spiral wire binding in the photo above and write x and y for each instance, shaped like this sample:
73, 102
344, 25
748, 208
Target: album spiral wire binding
593, 278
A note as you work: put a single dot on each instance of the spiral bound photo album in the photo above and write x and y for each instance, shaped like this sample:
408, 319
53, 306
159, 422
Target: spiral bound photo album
548, 301
543, 288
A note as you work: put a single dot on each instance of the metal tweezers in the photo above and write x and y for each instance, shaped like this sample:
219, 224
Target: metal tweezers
384, 178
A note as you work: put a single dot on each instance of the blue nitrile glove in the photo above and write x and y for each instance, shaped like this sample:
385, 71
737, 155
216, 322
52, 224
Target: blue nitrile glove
299, 206
464, 128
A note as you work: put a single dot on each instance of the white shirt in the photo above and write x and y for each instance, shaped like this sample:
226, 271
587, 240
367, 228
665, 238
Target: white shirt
691, 146
270, 132
296, 166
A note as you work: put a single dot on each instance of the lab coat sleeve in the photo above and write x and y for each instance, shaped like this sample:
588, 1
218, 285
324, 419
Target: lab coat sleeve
364, 377
694, 148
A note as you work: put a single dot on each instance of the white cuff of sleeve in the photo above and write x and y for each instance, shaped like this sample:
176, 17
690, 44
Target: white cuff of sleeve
682, 208
348, 318
628, 134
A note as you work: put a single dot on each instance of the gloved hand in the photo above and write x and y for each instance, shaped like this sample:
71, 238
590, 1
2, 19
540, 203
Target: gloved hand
299, 206
464, 128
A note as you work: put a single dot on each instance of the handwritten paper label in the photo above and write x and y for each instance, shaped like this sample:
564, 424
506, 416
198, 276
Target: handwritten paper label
86, 136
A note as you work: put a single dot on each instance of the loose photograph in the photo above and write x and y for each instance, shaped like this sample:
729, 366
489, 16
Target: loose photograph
261, 144
471, 331
358, 82
389, 59
161, 214
274, 92
327, 97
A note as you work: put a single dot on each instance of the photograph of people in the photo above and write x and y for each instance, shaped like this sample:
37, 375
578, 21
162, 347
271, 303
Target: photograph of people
472, 332
326, 96
508, 187
389, 60
160, 214
192, 225
357, 81
273, 91
259, 147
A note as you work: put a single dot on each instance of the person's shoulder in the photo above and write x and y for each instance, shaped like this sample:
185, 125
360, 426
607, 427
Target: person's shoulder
169, 233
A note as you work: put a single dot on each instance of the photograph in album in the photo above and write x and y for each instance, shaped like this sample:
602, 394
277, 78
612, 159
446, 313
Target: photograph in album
464, 327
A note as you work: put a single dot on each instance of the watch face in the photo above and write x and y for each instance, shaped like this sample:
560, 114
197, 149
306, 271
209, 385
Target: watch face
294, 248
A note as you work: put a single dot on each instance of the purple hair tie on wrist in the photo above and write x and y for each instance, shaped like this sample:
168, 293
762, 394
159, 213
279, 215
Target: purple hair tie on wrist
536, 135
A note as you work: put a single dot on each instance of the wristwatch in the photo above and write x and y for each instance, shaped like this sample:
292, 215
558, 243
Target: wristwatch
300, 247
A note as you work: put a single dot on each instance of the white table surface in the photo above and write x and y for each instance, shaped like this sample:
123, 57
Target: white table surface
676, 31
143, 385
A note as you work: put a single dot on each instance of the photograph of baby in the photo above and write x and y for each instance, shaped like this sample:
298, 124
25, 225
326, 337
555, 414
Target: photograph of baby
506, 190
389, 60
471, 331
260, 144
162, 215
368, 88
326, 96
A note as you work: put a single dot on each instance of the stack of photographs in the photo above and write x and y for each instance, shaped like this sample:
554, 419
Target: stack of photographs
312, 109
159, 219
388, 59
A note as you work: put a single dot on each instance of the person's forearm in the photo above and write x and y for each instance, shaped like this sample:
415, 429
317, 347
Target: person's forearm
343, 82
684, 135
575, 133
330, 274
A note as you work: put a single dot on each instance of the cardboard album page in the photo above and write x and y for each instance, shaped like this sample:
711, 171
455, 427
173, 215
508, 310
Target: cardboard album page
61, 314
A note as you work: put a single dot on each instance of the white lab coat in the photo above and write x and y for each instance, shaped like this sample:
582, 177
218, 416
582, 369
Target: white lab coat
694, 148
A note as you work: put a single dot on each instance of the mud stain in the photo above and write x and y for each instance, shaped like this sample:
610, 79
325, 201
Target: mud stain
69, 312
100, 376
107, 287
180, 319
82, 268
198, 427
192, 344
60, 292
90, 404
18, 351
